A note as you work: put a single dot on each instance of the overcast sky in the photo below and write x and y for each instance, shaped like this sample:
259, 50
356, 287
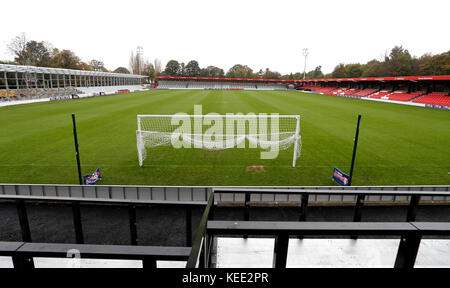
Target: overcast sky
257, 33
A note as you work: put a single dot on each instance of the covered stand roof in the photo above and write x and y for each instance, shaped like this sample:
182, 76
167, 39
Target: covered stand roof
48, 70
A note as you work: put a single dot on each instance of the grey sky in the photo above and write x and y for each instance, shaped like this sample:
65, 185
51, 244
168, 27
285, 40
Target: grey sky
223, 33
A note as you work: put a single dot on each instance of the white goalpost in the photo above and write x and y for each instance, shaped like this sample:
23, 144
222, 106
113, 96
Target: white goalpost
269, 132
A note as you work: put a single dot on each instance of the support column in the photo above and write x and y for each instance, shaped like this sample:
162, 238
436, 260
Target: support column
51, 84
17, 87
36, 85
64, 83
25, 75
6, 84
44, 84
57, 82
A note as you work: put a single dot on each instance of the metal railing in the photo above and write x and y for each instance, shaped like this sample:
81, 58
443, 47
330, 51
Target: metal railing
21, 202
201, 193
201, 252
22, 254
360, 196
410, 233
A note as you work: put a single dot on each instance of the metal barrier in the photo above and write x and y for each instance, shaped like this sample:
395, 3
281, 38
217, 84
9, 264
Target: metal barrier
22, 253
304, 196
201, 249
411, 234
76, 213
201, 193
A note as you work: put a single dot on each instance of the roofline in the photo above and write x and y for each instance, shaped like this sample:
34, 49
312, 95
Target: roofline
49, 70
403, 78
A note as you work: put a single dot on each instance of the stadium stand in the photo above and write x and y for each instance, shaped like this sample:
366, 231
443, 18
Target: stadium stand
351, 91
404, 96
435, 98
219, 85
365, 92
381, 94
106, 90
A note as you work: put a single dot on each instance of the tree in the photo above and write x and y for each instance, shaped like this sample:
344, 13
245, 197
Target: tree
97, 65
121, 70
136, 63
17, 47
68, 60
353, 70
271, 74
435, 65
240, 71
371, 69
339, 71
399, 62
149, 70
212, 71
192, 69
172, 68
30, 52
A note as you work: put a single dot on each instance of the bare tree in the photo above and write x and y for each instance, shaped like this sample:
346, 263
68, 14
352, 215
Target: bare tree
18, 46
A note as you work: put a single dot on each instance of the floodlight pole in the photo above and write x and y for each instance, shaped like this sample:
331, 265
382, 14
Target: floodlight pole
305, 53
354, 151
76, 148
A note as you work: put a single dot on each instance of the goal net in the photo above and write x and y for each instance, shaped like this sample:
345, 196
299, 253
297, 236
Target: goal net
270, 133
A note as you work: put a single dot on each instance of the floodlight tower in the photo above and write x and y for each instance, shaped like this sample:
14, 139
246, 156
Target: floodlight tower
305, 53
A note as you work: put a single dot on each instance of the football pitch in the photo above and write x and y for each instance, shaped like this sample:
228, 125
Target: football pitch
398, 145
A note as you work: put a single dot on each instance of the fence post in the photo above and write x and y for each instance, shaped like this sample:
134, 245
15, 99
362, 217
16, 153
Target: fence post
280, 250
21, 262
303, 209
407, 251
149, 263
358, 211
77, 222
132, 218
247, 210
412, 208
188, 226
23, 220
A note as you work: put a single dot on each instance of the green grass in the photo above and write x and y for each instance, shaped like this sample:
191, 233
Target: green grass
399, 145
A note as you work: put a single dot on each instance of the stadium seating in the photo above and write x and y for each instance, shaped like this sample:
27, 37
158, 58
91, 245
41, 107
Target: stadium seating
365, 92
351, 91
381, 94
338, 91
325, 90
404, 96
435, 98
220, 85
99, 90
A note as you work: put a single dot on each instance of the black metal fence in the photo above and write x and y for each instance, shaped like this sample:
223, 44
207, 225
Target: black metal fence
75, 203
22, 253
409, 232
199, 255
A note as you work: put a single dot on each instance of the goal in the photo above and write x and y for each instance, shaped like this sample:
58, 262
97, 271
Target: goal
269, 132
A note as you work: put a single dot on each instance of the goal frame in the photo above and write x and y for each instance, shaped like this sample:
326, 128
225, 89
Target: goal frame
141, 145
